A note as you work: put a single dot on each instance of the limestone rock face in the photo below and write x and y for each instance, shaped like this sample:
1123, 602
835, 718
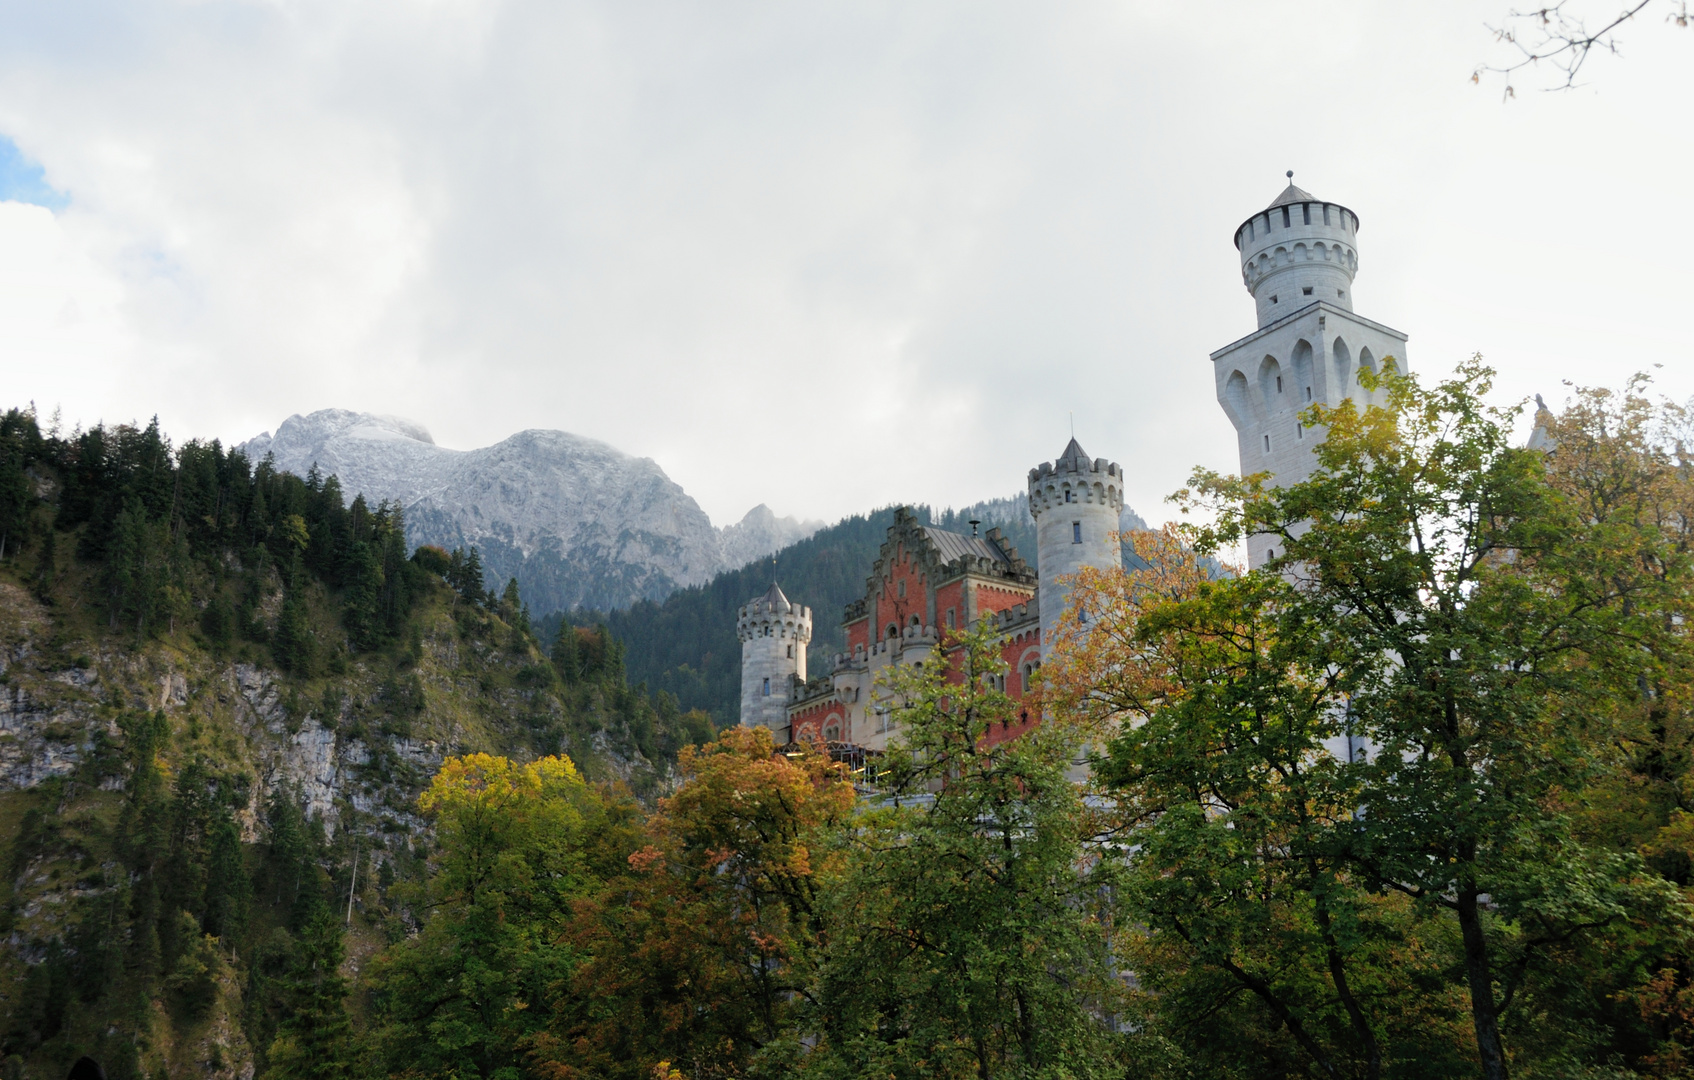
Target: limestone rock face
577, 522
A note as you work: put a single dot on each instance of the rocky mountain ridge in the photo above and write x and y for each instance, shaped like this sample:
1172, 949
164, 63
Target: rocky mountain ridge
578, 522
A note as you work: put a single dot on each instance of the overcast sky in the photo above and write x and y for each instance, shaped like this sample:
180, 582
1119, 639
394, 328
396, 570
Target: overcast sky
825, 256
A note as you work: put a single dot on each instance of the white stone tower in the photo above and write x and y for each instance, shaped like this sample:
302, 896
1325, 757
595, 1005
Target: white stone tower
773, 636
1298, 258
1075, 503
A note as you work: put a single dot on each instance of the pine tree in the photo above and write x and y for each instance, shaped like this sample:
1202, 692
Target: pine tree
15, 499
314, 1037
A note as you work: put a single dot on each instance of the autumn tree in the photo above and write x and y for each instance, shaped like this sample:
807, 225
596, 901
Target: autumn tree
1464, 639
703, 951
967, 936
1230, 782
464, 996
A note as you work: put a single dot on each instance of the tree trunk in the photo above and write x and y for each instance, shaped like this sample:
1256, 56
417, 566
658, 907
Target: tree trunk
1483, 1013
1338, 973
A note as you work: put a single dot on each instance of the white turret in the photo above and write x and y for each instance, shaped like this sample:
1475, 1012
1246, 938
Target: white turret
1296, 251
1075, 503
1298, 258
773, 636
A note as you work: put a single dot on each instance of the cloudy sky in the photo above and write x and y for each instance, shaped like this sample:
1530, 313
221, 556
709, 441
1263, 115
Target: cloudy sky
823, 255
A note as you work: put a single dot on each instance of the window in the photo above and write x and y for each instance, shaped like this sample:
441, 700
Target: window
1070, 496
791, 652
1252, 234
900, 589
1273, 298
1308, 393
1267, 444
1340, 292
767, 687
1285, 217
1326, 213
1305, 290
949, 618
1306, 212
1076, 532
1279, 384
1299, 430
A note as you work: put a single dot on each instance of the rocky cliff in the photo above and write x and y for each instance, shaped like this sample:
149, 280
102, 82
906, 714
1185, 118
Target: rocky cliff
577, 522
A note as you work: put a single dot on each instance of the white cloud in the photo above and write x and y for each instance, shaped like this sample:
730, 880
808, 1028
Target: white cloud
823, 256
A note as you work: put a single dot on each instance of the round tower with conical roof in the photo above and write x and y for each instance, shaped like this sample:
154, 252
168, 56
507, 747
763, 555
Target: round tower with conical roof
1296, 251
1075, 503
774, 634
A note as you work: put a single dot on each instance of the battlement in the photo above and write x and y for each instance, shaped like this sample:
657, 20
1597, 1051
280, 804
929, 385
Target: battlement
1074, 481
773, 616
1297, 251
1015, 617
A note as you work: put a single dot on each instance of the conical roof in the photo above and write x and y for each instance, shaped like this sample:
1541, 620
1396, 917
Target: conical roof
1074, 457
1292, 194
774, 597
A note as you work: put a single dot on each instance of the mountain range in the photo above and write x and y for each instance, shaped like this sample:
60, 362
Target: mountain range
579, 523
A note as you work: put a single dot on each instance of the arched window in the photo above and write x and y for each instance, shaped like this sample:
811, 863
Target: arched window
767, 686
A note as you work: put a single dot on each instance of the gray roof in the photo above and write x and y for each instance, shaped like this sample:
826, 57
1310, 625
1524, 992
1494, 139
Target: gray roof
1074, 457
1292, 194
951, 545
774, 597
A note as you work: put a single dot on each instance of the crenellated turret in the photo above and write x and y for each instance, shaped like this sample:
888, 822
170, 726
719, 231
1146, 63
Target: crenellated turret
1075, 503
774, 634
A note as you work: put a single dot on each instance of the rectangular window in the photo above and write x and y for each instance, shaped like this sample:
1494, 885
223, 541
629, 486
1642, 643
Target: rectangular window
1285, 223
1267, 444
791, 652
949, 618
1326, 213
767, 687
1252, 233
901, 590
1306, 212
1273, 298
1306, 290
1308, 393
1076, 532
1279, 384
1299, 430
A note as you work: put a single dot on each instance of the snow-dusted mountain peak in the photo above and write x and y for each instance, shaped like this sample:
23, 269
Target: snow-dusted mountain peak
577, 521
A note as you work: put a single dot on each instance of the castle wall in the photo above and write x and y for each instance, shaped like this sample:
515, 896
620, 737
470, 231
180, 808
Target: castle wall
1268, 378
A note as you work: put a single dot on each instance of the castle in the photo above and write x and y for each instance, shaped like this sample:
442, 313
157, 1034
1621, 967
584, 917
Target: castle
1298, 259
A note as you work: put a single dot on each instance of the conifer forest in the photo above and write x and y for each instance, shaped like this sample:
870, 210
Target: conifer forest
283, 797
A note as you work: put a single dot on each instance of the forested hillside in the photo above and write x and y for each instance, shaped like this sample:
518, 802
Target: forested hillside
221, 693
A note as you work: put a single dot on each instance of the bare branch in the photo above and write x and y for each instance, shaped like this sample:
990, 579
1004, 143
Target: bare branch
1553, 36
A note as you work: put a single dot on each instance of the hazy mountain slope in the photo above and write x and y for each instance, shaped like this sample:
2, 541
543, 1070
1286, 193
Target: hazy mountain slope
577, 522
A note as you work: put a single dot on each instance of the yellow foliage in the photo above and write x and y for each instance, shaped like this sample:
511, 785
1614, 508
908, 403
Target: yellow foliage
484, 781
